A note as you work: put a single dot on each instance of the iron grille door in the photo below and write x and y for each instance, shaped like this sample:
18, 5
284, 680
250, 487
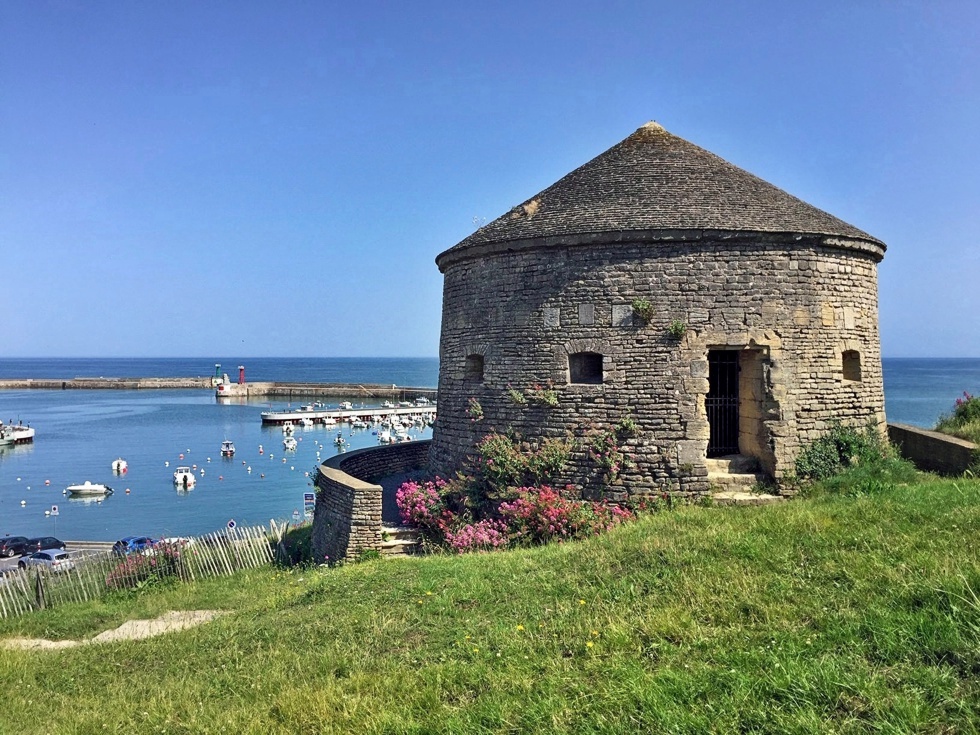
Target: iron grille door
722, 402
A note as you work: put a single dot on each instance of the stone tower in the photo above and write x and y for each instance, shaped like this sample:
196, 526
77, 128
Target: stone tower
658, 282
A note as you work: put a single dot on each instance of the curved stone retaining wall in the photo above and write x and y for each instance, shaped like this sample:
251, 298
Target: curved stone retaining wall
347, 517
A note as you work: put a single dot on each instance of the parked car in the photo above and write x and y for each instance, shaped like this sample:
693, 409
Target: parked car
133, 545
10, 545
53, 559
40, 543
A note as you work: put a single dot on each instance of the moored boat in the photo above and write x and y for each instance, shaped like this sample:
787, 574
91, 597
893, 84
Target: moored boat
89, 489
184, 477
120, 465
289, 443
15, 434
227, 448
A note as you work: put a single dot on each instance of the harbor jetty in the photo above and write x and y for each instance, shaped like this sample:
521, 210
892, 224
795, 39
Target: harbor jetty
262, 389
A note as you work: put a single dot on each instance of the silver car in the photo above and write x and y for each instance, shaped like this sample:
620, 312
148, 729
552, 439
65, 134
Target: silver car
55, 560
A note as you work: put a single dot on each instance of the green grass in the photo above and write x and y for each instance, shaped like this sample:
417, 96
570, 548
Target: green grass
850, 611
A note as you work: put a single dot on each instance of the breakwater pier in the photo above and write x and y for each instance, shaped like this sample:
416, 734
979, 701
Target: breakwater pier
261, 389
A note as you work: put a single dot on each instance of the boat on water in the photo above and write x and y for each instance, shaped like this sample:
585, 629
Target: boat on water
15, 434
287, 428
227, 448
89, 489
289, 443
184, 477
120, 466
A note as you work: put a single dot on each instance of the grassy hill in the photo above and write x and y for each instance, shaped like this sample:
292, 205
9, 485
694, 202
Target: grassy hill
847, 612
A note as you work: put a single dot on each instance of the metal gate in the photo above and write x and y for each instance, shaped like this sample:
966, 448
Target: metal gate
722, 402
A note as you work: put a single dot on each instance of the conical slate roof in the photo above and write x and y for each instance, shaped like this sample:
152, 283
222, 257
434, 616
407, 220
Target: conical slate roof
654, 180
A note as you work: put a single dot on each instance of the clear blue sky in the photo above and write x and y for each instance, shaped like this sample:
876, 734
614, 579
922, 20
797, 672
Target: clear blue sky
276, 178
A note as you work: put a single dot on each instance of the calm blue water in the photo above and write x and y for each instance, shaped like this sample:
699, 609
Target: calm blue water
80, 433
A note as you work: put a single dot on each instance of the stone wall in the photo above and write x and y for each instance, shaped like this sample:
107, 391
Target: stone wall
931, 451
347, 515
793, 304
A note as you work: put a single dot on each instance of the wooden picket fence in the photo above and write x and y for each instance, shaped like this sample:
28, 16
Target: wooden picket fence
95, 574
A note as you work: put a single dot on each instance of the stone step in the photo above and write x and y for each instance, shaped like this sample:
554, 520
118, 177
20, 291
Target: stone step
733, 464
729, 481
742, 497
400, 540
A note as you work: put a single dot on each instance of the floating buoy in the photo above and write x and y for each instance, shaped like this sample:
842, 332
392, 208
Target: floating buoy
209, 459
166, 464
202, 472
47, 512
180, 456
249, 468
23, 503
47, 482
18, 479
261, 475
284, 460
292, 467
221, 477
127, 491
188, 450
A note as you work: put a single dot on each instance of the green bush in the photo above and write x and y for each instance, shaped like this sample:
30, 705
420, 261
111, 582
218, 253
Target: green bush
840, 448
964, 421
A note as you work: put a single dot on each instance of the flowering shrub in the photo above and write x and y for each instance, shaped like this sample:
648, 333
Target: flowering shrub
474, 409
606, 451
420, 504
502, 462
542, 514
484, 535
964, 421
138, 570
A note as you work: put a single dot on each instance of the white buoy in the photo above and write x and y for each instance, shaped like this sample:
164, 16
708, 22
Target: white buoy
47, 512
166, 464
23, 503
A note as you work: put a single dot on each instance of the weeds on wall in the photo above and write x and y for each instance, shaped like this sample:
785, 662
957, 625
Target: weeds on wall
474, 410
642, 311
543, 395
676, 329
515, 396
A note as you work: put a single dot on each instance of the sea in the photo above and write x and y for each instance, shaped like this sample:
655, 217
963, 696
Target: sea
81, 432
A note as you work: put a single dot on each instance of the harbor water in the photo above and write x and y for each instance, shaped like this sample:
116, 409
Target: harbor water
81, 432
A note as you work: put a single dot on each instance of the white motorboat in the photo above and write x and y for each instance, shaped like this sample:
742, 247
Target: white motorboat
227, 448
345, 406
384, 436
287, 428
120, 465
89, 489
289, 443
184, 477
306, 421
387, 404
15, 434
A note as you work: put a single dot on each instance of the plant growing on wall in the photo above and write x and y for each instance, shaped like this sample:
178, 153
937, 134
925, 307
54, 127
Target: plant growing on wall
606, 451
516, 396
676, 329
474, 410
627, 427
544, 396
643, 310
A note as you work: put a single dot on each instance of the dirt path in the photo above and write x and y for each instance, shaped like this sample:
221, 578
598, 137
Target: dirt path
131, 630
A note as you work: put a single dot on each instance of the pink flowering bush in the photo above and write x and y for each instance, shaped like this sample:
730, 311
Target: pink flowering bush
542, 514
138, 570
420, 504
485, 535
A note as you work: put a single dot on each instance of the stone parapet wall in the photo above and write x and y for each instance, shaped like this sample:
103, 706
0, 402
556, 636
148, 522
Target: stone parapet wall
931, 451
347, 515
795, 309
